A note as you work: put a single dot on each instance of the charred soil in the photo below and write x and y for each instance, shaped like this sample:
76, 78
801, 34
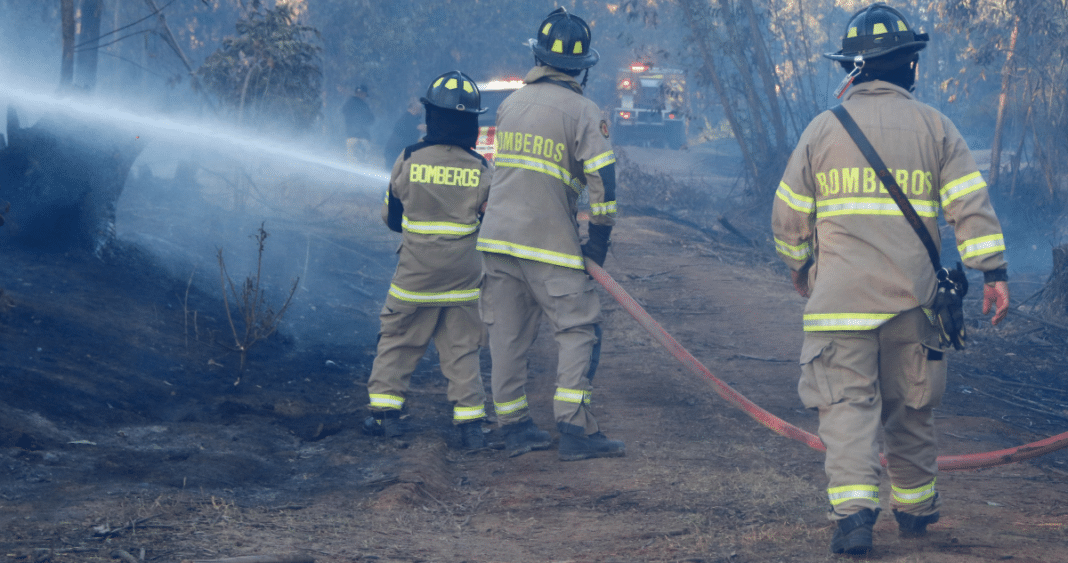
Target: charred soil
126, 431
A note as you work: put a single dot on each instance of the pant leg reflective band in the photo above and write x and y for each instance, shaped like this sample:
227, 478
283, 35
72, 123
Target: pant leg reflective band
511, 406
913, 496
387, 401
468, 413
572, 395
838, 495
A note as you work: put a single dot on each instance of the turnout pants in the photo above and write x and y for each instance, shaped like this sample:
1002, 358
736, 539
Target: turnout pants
516, 294
893, 377
406, 332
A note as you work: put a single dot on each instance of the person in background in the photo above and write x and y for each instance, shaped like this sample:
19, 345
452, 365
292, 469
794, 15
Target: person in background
358, 120
872, 358
437, 192
408, 129
551, 145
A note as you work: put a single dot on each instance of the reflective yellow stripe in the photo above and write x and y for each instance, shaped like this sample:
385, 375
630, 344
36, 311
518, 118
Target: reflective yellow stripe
572, 395
838, 495
437, 227
871, 206
801, 203
458, 296
800, 252
982, 245
961, 187
511, 406
469, 413
538, 165
598, 162
530, 253
387, 401
913, 496
605, 208
815, 322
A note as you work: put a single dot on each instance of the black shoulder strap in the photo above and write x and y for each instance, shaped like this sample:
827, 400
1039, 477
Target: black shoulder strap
888, 180
475, 154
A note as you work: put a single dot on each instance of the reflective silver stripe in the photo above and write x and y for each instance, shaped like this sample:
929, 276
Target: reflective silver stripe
511, 406
961, 187
603, 208
981, 245
913, 496
538, 165
530, 253
800, 252
468, 413
838, 495
572, 395
387, 401
437, 227
459, 295
872, 206
801, 203
845, 321
598, 162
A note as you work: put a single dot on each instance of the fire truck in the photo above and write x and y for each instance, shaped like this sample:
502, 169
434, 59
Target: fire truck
651, 108
493, 93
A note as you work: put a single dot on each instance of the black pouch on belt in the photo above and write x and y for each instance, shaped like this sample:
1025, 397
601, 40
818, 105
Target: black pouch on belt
949, 307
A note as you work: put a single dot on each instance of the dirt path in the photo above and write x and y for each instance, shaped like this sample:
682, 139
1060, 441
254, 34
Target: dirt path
281, 466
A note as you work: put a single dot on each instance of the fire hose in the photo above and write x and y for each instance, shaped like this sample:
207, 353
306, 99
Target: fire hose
783, 428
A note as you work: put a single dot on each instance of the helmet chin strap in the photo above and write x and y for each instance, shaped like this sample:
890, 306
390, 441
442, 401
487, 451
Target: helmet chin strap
858, 64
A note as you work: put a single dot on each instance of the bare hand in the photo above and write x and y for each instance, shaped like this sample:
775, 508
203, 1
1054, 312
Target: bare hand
800, 280
996, 294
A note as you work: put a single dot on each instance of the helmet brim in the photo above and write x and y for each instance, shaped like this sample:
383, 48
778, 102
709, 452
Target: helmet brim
565, 62
895, 51
461, 108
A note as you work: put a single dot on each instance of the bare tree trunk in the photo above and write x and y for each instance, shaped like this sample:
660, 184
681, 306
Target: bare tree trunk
767, 75
92, 10
710, 67
66, 74
1006, 75
756, 106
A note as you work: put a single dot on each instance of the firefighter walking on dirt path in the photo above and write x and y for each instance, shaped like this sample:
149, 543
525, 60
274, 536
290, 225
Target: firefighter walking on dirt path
551, 145
873, 349
437, 192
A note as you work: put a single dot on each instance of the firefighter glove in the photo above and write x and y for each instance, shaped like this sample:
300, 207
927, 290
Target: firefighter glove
949, 311
597, 246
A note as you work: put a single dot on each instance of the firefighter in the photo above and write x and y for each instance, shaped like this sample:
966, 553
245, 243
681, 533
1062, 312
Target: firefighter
436, 194
871, 355
551, 145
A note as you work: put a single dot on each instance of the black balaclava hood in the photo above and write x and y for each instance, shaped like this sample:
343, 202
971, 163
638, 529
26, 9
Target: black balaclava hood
451, 127
903, 75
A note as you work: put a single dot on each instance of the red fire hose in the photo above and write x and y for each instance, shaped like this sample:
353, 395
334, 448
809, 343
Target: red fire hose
783, 428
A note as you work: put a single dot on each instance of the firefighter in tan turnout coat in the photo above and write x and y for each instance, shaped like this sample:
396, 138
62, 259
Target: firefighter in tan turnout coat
871, 354
551, 145
436, 194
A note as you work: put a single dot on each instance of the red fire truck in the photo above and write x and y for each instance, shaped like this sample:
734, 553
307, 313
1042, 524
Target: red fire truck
651, 108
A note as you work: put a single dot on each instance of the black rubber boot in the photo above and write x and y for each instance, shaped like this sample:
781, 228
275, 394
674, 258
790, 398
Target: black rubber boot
522, 437
574, 448
471, 436
853, 536
384, 423
910, 526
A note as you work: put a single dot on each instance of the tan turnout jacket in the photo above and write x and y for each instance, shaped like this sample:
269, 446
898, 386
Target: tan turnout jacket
442, 188
830, 208
551, 143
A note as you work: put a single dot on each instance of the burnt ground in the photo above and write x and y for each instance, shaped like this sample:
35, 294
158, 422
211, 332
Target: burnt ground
127, 430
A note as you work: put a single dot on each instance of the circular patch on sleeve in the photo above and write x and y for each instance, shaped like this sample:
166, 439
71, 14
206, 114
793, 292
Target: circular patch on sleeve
604, 128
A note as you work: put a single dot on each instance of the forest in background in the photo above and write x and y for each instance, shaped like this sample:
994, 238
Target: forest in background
755, 70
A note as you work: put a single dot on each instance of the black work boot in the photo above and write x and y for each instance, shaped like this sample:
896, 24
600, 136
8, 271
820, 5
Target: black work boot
522, 437
383, 423
853, 535
574, 448
910, 526
471, 436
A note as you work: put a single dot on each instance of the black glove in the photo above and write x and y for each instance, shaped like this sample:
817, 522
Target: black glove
949, 308
597, 246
